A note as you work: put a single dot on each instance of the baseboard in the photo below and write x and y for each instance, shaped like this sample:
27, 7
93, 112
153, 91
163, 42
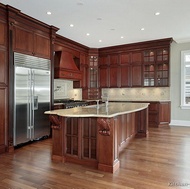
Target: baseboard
180, 123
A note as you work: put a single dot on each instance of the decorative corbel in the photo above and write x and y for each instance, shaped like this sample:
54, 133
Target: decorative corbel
54, 119
104, 126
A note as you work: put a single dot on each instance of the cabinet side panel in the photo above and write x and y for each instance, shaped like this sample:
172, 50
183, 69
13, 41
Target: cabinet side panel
3, 120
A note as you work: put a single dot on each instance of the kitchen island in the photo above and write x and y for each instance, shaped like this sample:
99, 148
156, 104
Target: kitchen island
95, 135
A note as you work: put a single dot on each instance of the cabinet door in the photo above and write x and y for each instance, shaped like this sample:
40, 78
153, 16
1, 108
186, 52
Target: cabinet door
3, 67
136, 57
114, 59
3, 119
136, 77
162, 67
125, 58
103, 60
149, 75
84, 81
153, 114
114, 76
23, 41
125, 76
41, 46
103, 75
164, 113
3, 35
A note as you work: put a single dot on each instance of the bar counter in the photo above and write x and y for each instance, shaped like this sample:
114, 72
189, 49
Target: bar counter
95, 135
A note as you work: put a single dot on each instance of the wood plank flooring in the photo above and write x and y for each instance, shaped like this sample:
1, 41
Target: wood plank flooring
160, 161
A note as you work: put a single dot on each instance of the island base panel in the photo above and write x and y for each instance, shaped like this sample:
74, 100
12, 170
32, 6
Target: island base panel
96, 141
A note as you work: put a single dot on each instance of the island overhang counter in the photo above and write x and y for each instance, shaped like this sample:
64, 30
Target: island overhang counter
95, 135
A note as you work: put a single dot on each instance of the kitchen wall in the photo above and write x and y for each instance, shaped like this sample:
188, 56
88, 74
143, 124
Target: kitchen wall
135, 94
178, 116
64, 89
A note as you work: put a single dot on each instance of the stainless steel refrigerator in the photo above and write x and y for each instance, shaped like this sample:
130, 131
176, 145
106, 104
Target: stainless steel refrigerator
31, 98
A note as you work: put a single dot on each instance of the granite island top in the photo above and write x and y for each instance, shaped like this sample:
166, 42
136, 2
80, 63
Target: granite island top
113, 109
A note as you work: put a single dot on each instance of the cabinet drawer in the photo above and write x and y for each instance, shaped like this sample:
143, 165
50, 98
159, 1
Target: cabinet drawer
153, 107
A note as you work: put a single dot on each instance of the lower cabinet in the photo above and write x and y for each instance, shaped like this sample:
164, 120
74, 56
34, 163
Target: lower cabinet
3, 119
159, 113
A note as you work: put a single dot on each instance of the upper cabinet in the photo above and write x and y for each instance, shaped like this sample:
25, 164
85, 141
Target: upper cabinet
30, 36
4, 73
156, 67
144, 64
31, 42
3, 53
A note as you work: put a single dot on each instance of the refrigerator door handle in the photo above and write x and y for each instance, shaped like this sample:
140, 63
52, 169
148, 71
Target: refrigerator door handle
35, 102
32, 105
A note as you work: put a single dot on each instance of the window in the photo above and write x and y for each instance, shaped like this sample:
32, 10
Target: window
185, 79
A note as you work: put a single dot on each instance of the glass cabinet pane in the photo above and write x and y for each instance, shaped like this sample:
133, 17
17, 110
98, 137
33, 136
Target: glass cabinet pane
149, 56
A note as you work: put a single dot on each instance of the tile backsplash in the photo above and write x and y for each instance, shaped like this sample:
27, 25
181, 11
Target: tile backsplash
150, 94
64, 89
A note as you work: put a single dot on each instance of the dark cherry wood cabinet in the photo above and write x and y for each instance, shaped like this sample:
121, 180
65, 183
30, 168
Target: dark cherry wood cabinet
136, 69
31, 42
3, 119
159, 113
3, 81
103, 77
84, 69
96, 141
125, 73
136, 75
93, 84
114, 76
144, 64
156, 67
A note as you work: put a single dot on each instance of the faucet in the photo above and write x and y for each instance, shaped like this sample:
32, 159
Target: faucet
106, 100
97, 102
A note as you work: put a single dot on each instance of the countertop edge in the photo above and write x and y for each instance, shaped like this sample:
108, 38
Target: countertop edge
59, 113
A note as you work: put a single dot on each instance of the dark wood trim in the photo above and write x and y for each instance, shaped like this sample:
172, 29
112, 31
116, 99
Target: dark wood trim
158, 43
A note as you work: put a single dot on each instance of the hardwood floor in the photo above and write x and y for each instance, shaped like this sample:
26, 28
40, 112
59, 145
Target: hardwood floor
160, 161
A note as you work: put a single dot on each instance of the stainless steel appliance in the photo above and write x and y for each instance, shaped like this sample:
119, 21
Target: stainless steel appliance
69, 103
31, 98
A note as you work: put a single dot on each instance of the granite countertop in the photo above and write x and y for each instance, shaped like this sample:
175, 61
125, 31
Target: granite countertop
113, 109
139, 100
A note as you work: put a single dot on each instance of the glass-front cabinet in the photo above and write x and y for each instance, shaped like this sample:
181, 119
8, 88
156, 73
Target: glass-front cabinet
93, 92
162, 67
156, 67
149, 68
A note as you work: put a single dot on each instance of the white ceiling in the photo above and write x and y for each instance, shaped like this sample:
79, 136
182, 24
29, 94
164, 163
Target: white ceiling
108, 20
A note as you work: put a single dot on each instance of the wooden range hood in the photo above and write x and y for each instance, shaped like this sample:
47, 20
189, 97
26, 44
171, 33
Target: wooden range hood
66, 66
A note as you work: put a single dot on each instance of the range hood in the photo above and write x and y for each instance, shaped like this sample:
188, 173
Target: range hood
66, 66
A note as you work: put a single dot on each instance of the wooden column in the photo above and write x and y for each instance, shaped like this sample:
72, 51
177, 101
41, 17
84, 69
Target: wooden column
107, 147
58, 135
142, 123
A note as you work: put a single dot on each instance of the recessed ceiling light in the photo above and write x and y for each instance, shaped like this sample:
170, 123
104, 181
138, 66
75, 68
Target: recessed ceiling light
157, 13
87, 34
100, 40
71, 25
49, 13
122, 37
99, 18
142, 29
112, 29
